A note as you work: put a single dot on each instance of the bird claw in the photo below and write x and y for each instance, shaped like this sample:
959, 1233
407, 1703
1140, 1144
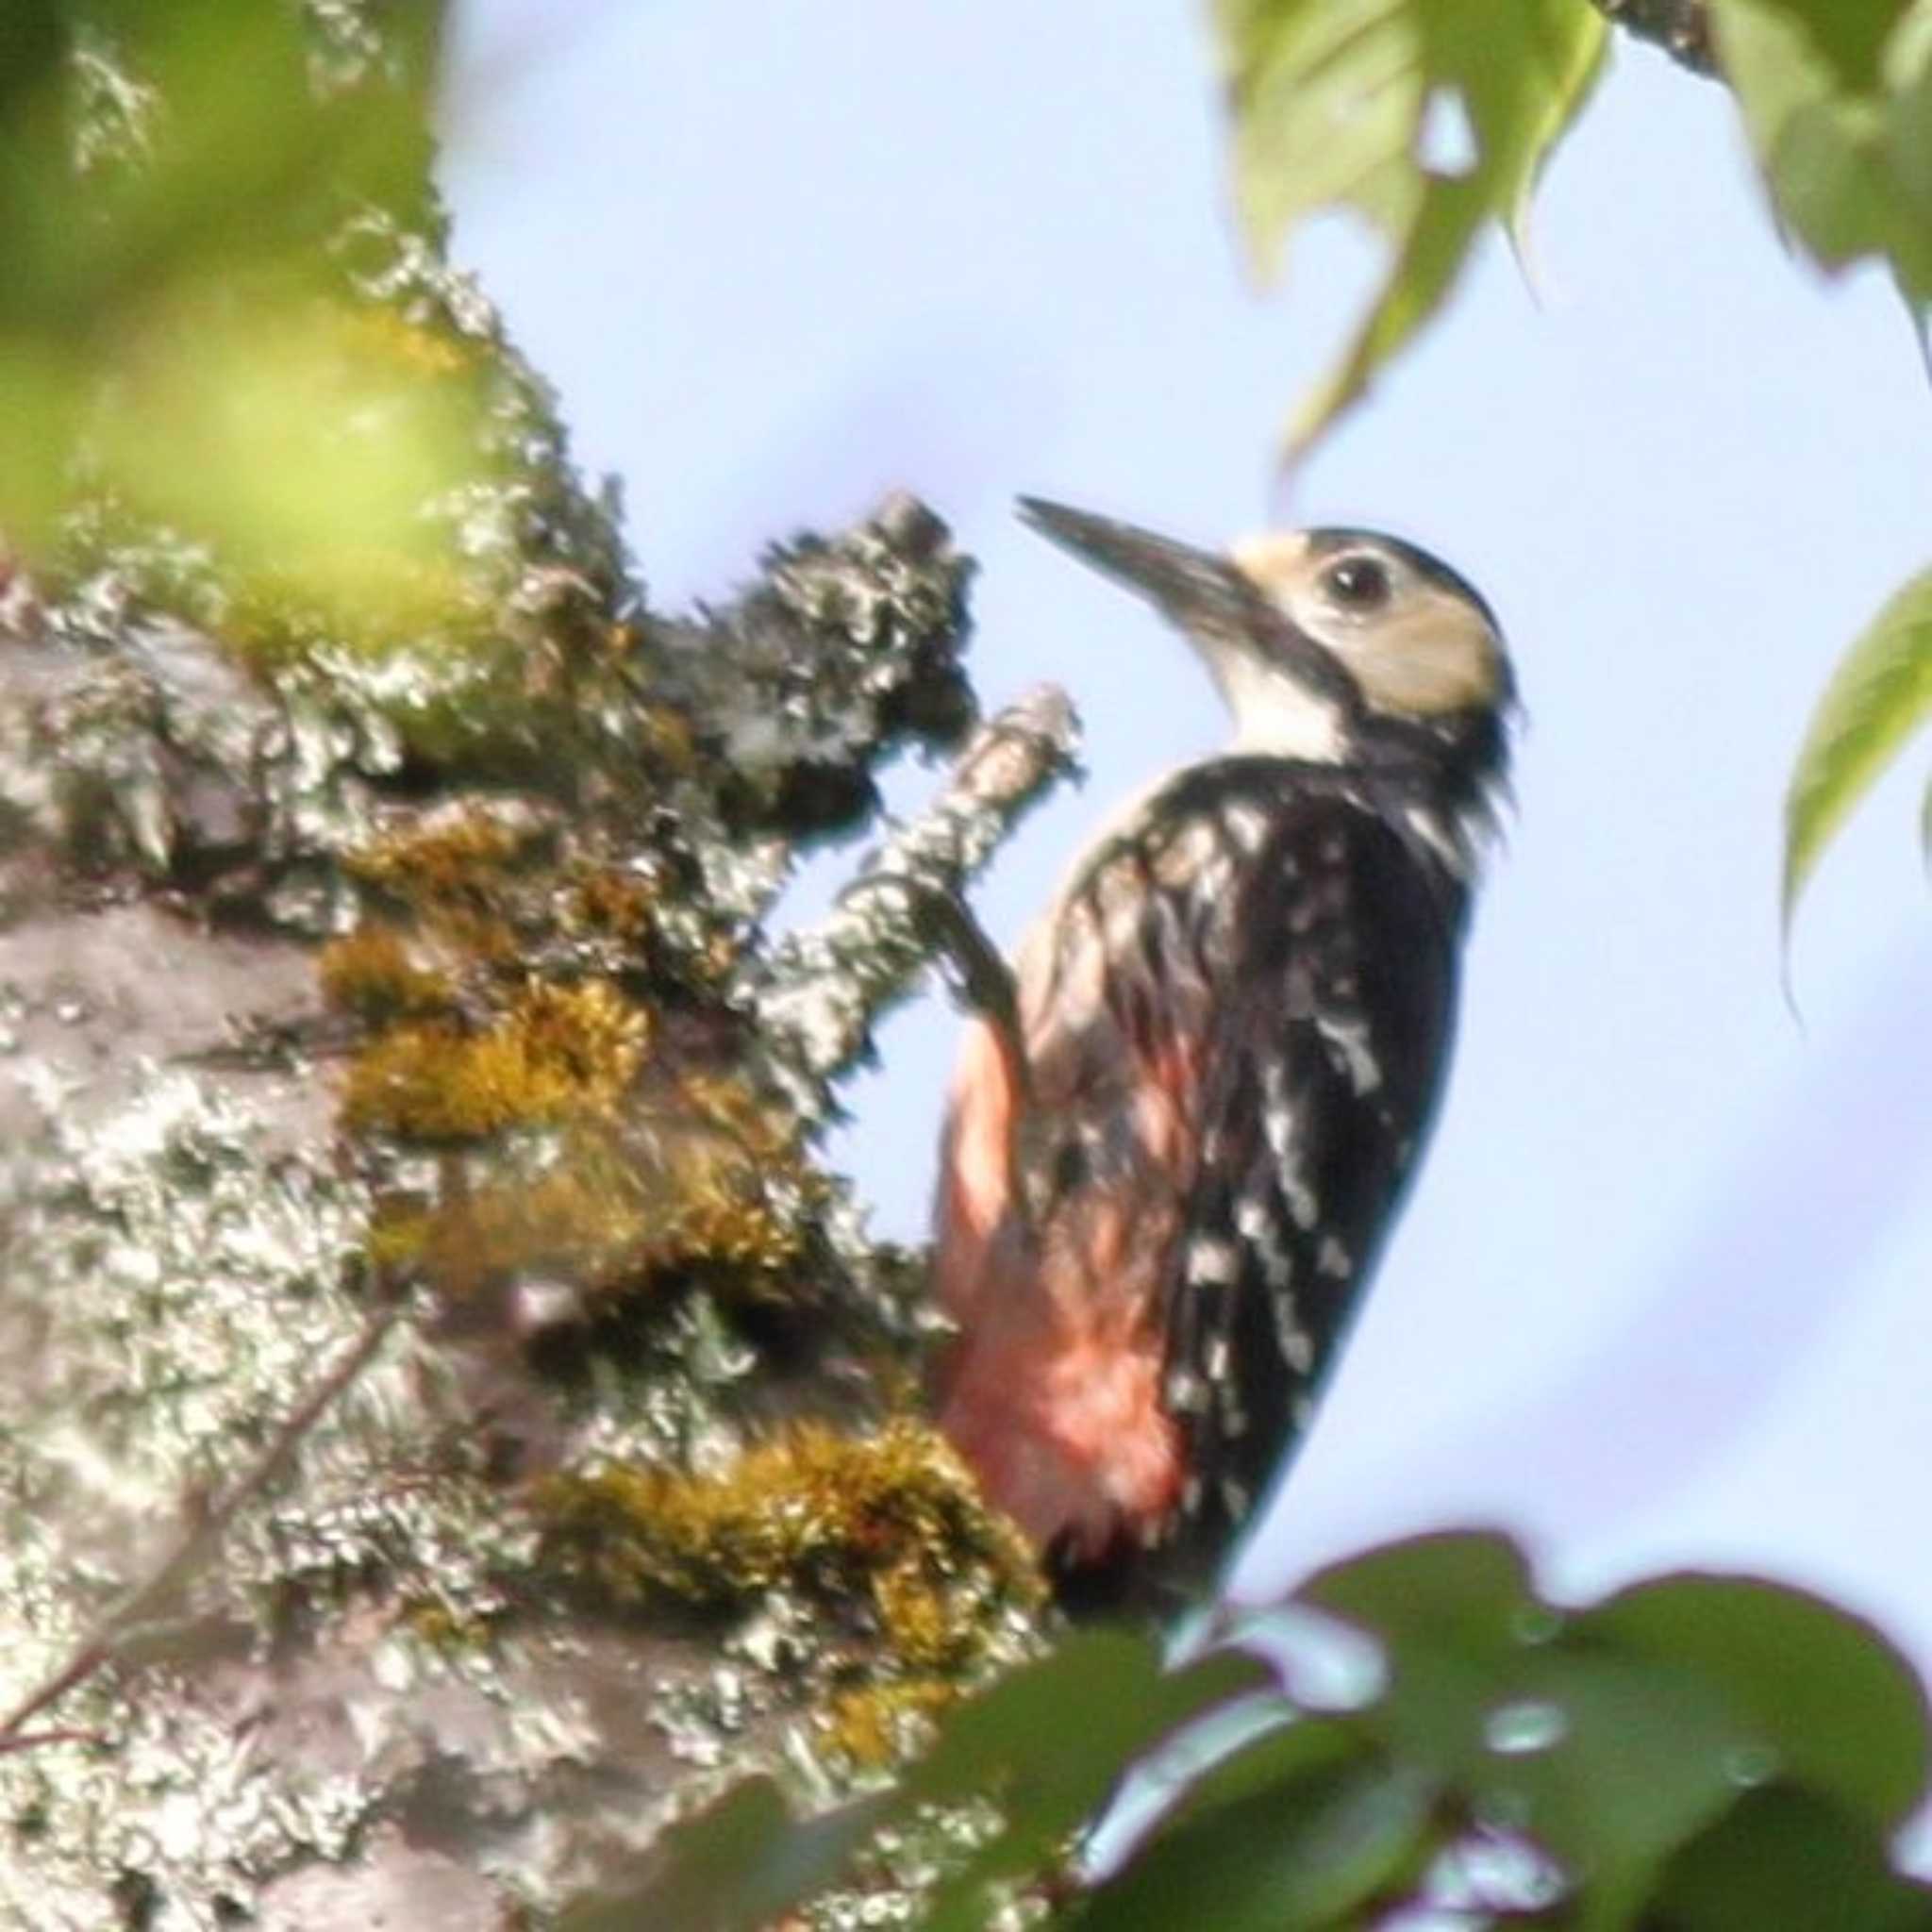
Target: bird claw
983, 983
978, 973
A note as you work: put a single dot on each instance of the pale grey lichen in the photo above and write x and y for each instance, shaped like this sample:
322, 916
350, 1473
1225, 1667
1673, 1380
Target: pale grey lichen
823, 991
168, 1287
170, 1290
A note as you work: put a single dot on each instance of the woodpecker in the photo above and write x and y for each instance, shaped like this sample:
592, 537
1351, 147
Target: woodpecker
1167, 1174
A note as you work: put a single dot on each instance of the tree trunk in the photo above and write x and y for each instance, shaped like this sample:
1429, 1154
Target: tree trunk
453, 1423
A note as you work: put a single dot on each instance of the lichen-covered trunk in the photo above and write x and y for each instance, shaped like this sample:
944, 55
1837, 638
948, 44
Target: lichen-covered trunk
450, 1420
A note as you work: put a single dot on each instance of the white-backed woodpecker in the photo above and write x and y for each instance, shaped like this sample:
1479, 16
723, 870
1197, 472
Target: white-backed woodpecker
1166, 1182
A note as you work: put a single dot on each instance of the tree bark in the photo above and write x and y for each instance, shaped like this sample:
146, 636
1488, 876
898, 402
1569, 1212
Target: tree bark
455, 1421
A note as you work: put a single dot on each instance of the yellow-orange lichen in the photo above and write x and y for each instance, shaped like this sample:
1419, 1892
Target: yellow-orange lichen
452, 856
610, 900
888, 1526
662, 733
728, 1154
370, 972
618, 1194
455, 871
583, 1217
398, 1232
558, 1051
877, 1724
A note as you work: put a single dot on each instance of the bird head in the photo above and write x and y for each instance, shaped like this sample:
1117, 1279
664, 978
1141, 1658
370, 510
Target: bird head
1328, 644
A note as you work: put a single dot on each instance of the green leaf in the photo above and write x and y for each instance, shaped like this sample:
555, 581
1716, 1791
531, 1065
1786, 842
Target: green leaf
1835, 100
1434, 246
1455, 1617
1843, 1710
1696, 1752
1471, 1589
1048, 1743
732, 1868
1332, 102
1880, 693
1613, 1738
1294, 1751
35, 41
1101, 1697
185, 287
1849, 36
1606, 1761
1610, 1762
1783, 1856
1573, 67
1307, 1852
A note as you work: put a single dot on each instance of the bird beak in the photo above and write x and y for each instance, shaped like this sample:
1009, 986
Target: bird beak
1194, 588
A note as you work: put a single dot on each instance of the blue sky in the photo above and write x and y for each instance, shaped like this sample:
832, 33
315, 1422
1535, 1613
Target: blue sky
1662, 1295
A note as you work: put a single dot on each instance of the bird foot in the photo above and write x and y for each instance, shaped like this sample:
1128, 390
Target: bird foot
977, 971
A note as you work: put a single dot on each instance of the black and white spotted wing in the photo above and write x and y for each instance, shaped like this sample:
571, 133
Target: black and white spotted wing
1332, 1026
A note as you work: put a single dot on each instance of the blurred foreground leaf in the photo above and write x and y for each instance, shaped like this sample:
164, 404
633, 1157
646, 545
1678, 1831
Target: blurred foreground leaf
1879, 694
196, 203
1311, 1851
1045, 1744
308, 435
1605, 1761
736, 1866
1785, 1857
1836, 1707
1700, 1752
1837, 97
1430, 119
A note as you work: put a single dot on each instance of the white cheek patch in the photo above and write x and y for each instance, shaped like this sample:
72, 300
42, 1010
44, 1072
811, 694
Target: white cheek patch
1275, 714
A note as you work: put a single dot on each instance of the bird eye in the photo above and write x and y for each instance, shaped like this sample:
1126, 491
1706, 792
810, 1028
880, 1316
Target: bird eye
1360, 583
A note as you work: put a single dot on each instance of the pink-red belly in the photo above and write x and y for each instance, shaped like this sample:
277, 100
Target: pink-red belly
1072, 1441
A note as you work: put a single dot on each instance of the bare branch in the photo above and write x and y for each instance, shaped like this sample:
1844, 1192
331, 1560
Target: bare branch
828, 987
